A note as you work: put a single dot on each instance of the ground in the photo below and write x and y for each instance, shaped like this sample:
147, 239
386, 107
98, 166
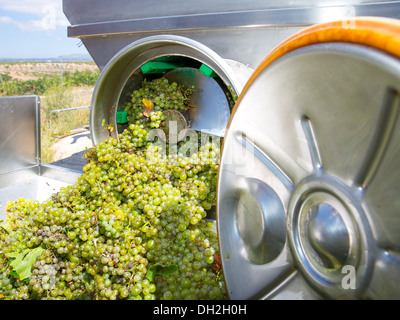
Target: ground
34, 70
69, 151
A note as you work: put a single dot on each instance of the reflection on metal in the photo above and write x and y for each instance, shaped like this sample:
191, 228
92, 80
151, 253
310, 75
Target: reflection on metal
386, 125
36, 183
175, 127
331, 144
260, 221
19, 132
328, 235
242, 31
210, 113
92, 11
22, 175
239, 19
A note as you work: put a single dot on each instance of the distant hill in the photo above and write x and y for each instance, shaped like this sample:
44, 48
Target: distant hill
76, 57
70, 57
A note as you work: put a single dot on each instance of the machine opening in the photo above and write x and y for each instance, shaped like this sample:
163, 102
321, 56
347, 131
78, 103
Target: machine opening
210, 102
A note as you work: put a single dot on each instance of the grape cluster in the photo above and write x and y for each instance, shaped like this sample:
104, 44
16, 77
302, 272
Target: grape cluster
162, 94
134, 214
156, 118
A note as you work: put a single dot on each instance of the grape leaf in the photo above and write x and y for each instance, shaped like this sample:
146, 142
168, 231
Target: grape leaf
6, 226
147, 107
23, 261
87, 277
160, 269
110, 127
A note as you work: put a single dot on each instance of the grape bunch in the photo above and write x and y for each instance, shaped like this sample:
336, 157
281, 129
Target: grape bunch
163, 95
156, 119
134, 225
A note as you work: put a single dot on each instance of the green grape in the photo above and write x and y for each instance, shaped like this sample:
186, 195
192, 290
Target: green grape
133, 208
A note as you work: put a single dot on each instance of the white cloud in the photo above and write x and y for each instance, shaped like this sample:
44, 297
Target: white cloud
47, 15
6, 20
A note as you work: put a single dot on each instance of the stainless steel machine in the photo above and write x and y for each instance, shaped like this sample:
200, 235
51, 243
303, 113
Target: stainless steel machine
22, 174
307, 193
309, 209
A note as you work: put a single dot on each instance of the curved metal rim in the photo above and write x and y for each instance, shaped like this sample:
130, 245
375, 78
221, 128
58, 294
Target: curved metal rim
129, 59
379, 33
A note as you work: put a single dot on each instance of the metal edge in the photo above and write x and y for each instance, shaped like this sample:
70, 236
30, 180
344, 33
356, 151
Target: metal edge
38, 132
33, 102
45, 170
256, 18
59, 173
17, 176
128, 56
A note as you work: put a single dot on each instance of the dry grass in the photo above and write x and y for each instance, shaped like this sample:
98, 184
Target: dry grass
62, 122
55, 98
35, 70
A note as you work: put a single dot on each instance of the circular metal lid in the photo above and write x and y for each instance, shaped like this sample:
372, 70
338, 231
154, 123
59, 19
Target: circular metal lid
307, 200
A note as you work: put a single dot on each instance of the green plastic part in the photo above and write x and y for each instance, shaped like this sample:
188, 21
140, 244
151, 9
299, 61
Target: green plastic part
207, 71
121, 117
154, 66
157, 67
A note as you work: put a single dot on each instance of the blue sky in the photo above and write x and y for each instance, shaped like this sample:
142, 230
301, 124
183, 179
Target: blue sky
35, 29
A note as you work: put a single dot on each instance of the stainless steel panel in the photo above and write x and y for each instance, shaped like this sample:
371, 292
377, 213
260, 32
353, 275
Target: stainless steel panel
21, 173
91, 11
314, 141
245, 45
68, 176
212, 112
37, 183
240, 30
20, 132
252, 18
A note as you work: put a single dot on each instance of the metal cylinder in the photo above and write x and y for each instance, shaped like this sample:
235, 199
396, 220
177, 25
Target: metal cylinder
120, 74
